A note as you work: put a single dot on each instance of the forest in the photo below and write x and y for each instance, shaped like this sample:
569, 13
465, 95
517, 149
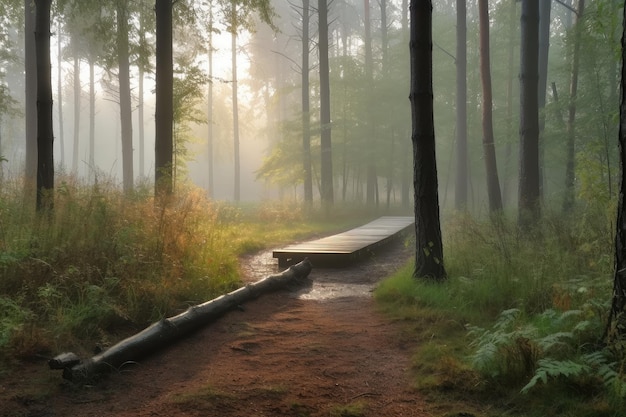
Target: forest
149, 149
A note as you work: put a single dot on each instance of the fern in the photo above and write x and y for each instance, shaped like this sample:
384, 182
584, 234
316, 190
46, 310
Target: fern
550, 368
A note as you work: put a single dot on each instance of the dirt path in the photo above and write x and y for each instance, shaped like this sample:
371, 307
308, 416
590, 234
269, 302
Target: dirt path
319, 351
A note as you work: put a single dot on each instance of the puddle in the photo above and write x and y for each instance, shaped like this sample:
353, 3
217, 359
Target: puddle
326, 284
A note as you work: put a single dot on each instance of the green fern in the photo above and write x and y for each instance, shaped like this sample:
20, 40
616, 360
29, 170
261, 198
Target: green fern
550, 368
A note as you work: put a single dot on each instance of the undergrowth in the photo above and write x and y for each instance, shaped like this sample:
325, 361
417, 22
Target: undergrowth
517, 327
104, 264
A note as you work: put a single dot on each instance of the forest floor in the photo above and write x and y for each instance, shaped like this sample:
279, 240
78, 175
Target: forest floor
323, 350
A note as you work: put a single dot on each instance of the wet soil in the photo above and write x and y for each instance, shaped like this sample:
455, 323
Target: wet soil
321, 350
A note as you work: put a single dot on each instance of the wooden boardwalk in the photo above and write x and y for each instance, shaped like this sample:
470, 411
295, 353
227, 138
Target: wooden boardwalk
343, 248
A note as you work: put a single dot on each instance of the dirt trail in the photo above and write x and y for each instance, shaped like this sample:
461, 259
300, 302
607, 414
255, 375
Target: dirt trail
311, 352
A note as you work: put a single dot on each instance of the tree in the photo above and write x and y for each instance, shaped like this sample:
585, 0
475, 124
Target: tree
325, 128
233, 33
164, 144
460, 191
489, 147
30, 93
429, 247
616, 329
306, 106
529, 190
123, 59
45, 136
570, 166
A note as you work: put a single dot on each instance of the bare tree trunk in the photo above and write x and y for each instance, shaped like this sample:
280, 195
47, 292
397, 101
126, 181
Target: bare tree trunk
30, 93
60, 93
45, 135
306, 106
125, 100
529, 195
570, 165
92, 115
77, 106
489, 147
164, 113
167, 331
210, 108
545, 7
429, 247
325, 128
460, 191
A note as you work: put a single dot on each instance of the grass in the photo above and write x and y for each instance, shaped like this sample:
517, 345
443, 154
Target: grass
103, 264
514, 306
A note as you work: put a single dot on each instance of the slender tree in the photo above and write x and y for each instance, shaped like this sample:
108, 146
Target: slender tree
123, 59
460, 191
30, 93
211, 157
325, 128
45, 135
529, 193
306, 106
371, 195
164, 144
570, 164
489, 147
60, 93
233, 37
429, 247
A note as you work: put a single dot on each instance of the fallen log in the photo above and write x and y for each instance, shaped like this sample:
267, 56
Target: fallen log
166, 331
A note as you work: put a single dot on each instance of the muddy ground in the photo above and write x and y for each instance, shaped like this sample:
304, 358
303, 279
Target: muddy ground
321, 350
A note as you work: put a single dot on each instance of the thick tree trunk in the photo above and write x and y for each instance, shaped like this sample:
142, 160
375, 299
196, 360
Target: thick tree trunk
529, 204
164, 113
167, 331
45, 136
429, 248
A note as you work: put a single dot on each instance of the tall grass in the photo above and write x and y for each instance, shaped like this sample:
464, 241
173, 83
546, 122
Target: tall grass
103, 262
536, 305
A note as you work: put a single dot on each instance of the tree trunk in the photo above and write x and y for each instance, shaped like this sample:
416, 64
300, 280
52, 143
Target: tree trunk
489, 147
325, 128
372, 176
125, 99
167, 331
529, 203
406, 171
508, 150
45, 135
164, 112
460, 191
233, 38
306, 106
77, 105
60, 94
210, 107
616, 327
545, 8
429, 248
30, 94
570, 164
92, 116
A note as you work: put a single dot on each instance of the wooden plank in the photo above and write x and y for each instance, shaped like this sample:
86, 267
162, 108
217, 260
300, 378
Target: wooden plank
348, 246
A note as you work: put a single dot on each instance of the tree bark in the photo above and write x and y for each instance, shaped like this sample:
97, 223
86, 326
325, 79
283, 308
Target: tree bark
126, 121
306, 107
489, 147
325, 128
30, 94
233, 38
616, 326
45, 135
77, 104
460, 190
429, 248
164, 112
529, 204
60, 94
167, 331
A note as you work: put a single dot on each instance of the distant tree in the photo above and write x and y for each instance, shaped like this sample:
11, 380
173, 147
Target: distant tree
460, 191
371, 195
429, 247
123, 60
529, 193
325, 128
233, 32
164, 143
545, 8
489, 146
306, 106
30, 93
45, 135
570, 164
